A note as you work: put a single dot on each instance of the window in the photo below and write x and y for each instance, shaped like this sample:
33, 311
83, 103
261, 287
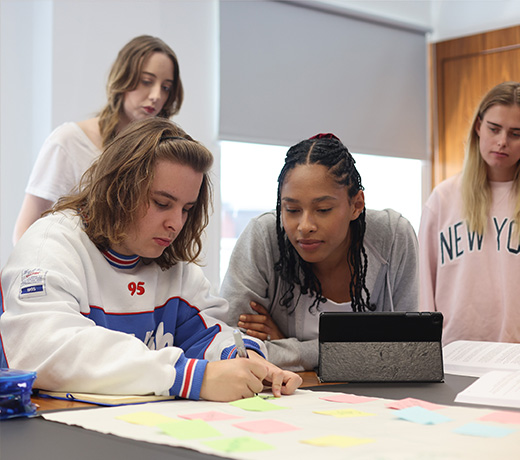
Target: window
249, 174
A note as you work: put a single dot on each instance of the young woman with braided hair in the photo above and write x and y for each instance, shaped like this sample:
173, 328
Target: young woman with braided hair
469, 236
320, 251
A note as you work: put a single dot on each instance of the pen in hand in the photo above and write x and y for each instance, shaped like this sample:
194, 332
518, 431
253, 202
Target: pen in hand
239, 343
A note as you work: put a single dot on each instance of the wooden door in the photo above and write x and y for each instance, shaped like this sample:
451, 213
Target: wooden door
465, 69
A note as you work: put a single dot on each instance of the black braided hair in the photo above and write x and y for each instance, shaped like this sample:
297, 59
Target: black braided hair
326, 150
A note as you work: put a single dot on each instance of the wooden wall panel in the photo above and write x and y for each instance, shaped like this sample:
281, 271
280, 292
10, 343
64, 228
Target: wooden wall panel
464, 70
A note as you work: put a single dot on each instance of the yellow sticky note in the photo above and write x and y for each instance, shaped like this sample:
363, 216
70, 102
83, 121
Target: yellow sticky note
145, 418
344, 413
256, 404
337, 441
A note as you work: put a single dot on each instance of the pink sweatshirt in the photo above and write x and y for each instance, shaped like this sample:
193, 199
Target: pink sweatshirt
473, 280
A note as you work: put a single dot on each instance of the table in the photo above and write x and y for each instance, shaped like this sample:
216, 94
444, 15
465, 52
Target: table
24, 438
443, 393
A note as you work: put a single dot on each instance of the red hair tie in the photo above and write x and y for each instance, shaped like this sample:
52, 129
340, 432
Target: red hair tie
324, 136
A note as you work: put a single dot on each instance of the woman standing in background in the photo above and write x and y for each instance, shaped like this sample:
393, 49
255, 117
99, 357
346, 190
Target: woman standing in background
469, 236
144, 82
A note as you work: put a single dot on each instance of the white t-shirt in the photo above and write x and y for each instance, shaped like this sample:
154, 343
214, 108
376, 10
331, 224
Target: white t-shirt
65, 155
312, 321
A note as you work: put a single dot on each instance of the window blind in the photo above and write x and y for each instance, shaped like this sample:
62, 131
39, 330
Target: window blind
288, 72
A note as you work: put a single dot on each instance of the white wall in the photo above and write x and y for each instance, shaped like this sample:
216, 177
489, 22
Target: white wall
457, 18
447, 19
55, 58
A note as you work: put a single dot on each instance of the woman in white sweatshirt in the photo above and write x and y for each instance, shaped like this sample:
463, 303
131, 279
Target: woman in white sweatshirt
102, 295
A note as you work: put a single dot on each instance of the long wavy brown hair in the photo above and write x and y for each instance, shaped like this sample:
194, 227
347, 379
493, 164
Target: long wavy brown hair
113, 191
124, 77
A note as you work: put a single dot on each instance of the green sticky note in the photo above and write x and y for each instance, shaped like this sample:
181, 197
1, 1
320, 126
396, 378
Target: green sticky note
241, 444
256, 404
146, 418
189, 429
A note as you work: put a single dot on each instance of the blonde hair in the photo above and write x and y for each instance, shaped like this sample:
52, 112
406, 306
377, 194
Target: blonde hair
124, 77
476, 192
117, 186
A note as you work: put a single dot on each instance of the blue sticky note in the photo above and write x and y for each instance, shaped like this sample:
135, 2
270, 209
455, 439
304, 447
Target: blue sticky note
482, 430
418, 414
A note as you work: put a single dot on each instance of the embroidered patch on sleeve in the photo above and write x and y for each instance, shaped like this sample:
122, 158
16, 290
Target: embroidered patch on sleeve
33, 283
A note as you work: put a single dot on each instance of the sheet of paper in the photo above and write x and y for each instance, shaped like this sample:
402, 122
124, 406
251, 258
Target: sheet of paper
250, 436
474, 358
104, 399
496, 388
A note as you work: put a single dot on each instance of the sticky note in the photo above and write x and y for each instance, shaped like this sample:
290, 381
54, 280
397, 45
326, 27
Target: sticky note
347, 398
411, 402
484, 431
189, 429
420, 415
209, 416
241, 444
502, 416
337, 441
343, 413
266, 426
256, 404
145, 418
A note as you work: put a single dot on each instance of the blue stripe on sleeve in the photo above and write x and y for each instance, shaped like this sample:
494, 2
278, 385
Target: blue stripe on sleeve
231, 351
189, 374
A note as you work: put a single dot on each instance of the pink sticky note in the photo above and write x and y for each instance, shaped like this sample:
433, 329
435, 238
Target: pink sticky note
411, 402
346, 398
266, 426
210, 416
502, 416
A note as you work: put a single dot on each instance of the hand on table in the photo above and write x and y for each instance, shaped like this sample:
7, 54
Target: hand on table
260, 326
281, 382
232, 379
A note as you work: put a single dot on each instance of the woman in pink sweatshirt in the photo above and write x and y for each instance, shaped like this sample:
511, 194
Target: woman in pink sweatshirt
469, 238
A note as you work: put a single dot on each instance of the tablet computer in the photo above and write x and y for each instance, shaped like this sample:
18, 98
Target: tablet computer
380, 347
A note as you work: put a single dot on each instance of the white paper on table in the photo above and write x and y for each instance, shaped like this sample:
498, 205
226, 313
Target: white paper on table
496, 388
393, 438
476, 358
